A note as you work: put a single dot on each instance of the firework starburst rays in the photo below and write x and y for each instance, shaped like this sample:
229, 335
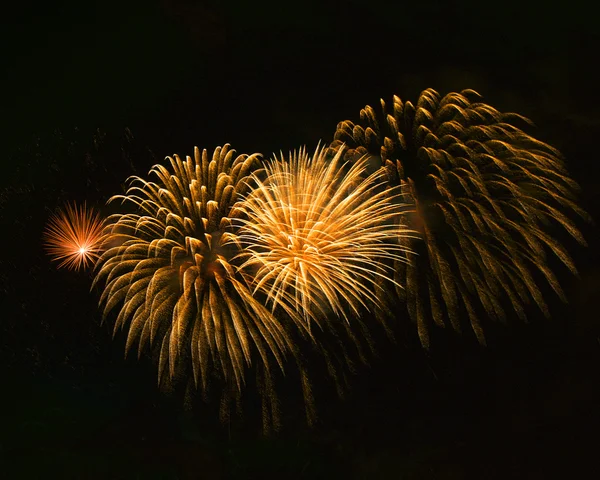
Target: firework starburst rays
485, 195
320, 239
74, 237
170, 269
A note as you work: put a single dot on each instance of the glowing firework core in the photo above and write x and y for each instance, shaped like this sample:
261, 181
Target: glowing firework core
320, 237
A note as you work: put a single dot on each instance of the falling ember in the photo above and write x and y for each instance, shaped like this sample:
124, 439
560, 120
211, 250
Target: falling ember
73, 237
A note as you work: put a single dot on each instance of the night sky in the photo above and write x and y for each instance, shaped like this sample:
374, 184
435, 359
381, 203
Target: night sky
94, 92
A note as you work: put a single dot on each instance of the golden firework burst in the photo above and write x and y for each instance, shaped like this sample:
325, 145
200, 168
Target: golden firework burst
170, 269
318, 236
485, 198
73, 236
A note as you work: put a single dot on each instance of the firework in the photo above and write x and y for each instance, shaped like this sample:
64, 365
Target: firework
73, 236
318, 236
485, 196
170, 269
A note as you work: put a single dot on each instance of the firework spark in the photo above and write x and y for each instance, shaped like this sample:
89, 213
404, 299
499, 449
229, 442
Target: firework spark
485, 195
318, 238
73, 237
171, 270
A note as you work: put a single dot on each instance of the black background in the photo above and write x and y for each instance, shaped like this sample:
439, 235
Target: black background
96, 91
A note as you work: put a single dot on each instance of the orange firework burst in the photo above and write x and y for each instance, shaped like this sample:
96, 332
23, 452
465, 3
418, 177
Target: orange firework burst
74, 237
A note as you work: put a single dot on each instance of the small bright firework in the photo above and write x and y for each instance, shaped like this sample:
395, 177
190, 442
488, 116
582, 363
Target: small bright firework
73, 237
319, 236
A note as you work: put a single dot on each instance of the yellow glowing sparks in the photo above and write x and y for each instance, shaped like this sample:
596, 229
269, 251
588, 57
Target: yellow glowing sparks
484, 195
74, 237
318, 238
172, 273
